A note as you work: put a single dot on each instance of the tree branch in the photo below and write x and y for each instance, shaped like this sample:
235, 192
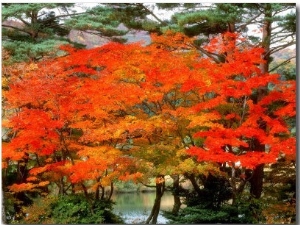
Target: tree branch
209, 54
280, 47
147, 185
281, 64
151, 13
23, 21
65, 15
16, 28
249, 21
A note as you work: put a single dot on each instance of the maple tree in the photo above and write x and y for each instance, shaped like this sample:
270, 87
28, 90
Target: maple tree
46, 133
242, 119
71, 143
121, 112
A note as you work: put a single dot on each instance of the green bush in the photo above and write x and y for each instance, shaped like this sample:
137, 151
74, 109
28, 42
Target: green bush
76, 209
212, 205
198, 214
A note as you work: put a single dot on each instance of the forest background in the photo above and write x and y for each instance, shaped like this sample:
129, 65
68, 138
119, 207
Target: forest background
203, 99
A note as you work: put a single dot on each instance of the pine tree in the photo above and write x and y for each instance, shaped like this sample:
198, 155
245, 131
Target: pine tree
32, 31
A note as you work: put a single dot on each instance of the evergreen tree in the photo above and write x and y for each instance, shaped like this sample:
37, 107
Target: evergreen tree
32, 31
202, 20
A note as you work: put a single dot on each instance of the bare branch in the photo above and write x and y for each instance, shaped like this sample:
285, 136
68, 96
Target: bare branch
147, 185
250, 21
280, 47
282, 64
16, 28
23, 21
151, 13
65, 15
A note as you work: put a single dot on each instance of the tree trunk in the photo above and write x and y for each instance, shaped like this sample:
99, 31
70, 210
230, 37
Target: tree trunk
194, 183
237, 187
177, 202
160, 188
103, 192
111, 190
61, 189
266, 38
256, 181
97, 192
22, 171
73, 188
85, 190
35, 26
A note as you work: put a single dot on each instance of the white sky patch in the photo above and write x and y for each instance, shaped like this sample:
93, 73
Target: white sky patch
83, 6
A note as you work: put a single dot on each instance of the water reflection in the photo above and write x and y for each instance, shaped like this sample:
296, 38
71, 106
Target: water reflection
136, 207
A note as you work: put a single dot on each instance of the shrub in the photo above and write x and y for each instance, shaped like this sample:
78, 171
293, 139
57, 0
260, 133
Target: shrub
76, 209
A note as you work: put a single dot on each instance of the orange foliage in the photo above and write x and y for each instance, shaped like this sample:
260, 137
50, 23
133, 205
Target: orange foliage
231, 93
21, 187
83, 116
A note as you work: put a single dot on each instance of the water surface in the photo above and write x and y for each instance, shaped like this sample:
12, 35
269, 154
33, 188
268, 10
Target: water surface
136, 207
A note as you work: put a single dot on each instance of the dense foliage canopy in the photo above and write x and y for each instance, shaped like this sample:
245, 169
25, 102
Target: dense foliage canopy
211, 112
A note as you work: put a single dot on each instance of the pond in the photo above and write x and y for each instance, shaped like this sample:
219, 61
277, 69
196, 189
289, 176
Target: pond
136, 207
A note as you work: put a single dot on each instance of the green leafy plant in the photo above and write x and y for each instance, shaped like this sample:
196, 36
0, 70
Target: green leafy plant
76, 209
